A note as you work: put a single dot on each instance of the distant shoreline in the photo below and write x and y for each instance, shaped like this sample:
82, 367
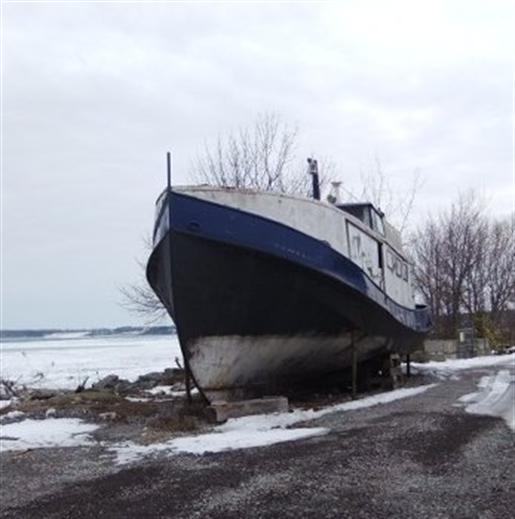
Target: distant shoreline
67, 333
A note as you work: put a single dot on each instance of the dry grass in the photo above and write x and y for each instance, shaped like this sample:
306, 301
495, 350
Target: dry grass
92, 403
167, 416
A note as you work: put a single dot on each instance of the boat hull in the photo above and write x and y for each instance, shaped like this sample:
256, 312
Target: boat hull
253, 319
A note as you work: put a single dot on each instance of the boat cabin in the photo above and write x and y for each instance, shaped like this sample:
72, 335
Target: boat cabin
367, 213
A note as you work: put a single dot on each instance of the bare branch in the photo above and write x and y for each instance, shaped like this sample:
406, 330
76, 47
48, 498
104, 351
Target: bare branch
466, 265
262, 156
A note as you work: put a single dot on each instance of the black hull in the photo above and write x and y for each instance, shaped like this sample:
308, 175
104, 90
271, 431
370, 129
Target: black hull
251, 322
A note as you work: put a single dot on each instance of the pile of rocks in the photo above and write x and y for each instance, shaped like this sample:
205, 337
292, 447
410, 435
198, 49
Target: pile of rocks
173, 377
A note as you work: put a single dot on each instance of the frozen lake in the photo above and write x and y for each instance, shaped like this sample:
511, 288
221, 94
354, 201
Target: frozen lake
66, 361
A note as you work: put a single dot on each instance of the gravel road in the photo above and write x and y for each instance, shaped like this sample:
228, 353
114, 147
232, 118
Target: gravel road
420, 457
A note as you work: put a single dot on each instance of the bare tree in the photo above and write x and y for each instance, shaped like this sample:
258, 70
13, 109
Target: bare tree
262, 156
466, 265
428, 251
446, 249
139, 298
397, 203
257, 157
501, 265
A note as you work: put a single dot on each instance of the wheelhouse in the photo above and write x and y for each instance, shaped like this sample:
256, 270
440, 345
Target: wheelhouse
366, 213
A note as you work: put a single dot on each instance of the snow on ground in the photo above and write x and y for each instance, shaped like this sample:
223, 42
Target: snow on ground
495, 397
66, 363
242, 436
256, 431
137, 399
5, 403
447, 368
51, 432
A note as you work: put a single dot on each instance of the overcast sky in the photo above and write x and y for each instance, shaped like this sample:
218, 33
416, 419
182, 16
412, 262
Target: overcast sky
94, 95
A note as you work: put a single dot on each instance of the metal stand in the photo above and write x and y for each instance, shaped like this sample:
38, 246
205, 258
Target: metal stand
187, 381
394, 371
354, 368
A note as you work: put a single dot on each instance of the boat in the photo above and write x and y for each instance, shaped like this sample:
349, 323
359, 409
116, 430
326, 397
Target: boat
268, 290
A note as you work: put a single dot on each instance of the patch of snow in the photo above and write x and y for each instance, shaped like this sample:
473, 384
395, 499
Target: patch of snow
168, 390
157, 390
51, 432
240, 437
137, 399
5, 403
495, 397
50, 412
448, 368
257, 430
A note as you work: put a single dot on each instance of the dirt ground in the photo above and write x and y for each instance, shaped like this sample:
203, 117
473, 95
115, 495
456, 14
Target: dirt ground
421, 456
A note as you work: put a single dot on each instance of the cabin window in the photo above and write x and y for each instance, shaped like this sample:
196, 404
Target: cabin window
356, 246
367, 214
396, 265
377, 222
398, 268
361, 212
159, 205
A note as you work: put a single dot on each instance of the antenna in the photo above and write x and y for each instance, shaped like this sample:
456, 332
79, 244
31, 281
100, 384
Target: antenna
313, 171
169, 170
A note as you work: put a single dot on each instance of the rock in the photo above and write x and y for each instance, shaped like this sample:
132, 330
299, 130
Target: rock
144, 384
172, 376
123, 386
12, 416
107, 416
155, 376
108, 382
42, 394
168, 377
